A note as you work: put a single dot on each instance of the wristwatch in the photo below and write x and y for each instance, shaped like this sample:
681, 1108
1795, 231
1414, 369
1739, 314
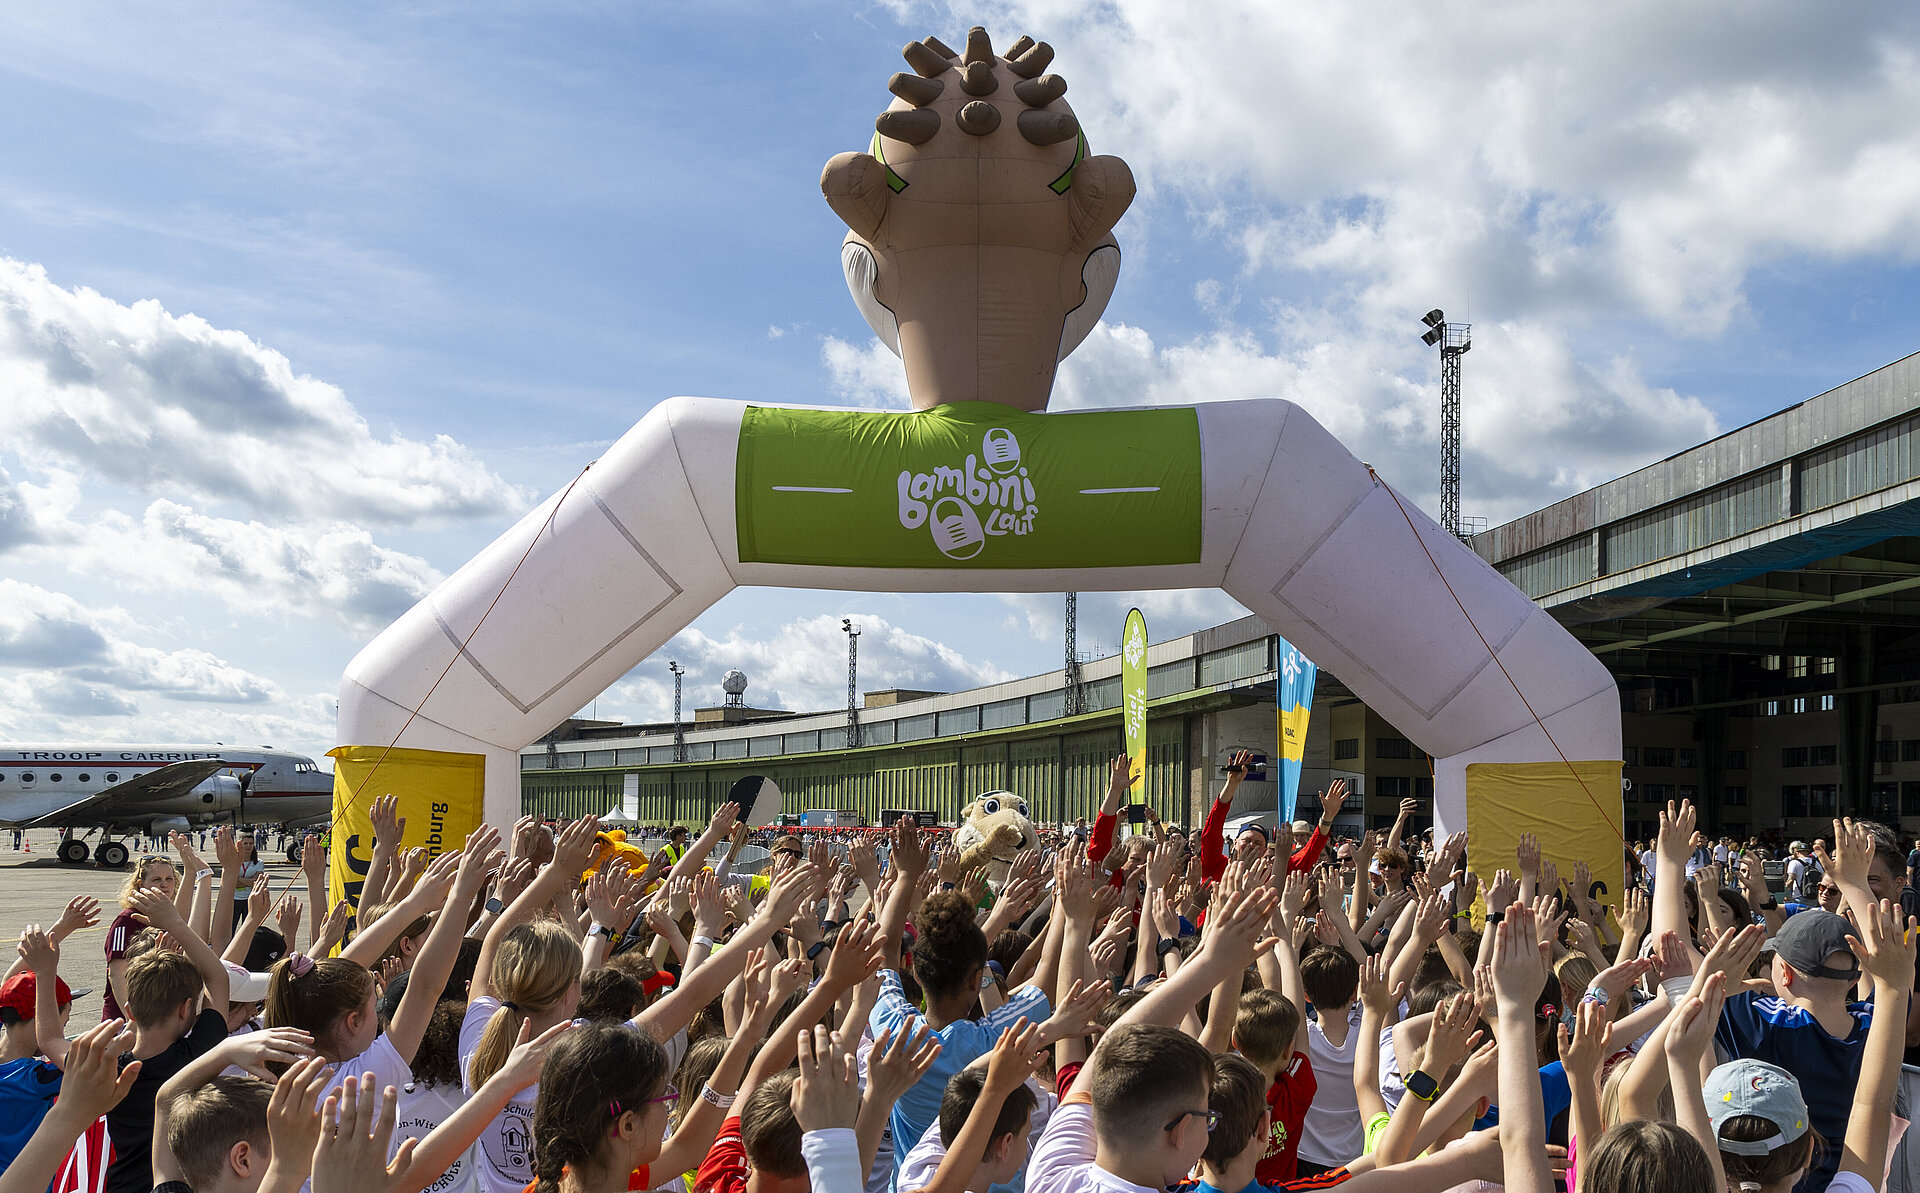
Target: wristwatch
1494, 917
600, 930
495, 906
1421, 1086
818, 947
1168, 944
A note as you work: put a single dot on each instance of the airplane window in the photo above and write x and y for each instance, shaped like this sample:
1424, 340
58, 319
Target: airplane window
27, 777
55, 776
112, 778
85, 777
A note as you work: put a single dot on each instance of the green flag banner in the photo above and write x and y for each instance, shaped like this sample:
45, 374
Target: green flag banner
1133, 695
969, 484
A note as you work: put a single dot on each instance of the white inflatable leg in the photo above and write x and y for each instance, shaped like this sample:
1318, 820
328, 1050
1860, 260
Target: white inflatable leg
1337, 565
553, 611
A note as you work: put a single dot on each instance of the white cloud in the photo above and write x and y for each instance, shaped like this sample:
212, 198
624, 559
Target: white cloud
169, 405
62, 657
869, 375
800, 666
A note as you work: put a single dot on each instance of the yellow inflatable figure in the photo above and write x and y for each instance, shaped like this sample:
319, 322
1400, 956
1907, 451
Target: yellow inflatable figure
612, 847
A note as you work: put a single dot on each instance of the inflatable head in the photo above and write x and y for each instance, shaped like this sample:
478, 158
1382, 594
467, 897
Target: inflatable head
993, 828
980, 242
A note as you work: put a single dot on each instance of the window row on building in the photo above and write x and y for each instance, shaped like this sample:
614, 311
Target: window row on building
1854, 467
1239, 662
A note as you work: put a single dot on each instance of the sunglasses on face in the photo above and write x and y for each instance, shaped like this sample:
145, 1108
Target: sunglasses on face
792, 853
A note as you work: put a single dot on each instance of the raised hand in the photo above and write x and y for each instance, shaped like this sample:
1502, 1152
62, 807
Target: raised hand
1528, 854
352, 1157
255, 1050
81, 911
898, 1061
909, 853
1504, 889
574, 850
865, 860
1885, 945
1852, 854
1694, 1021
1616, 980
827, 1093
1732, 955
1675, 838
1453, 1035
226, 850
388, 824
1586, 1047
260, 898
313, 858
39, 951
1376, 996
723, 819
293, 1117
94, 1083
1332, 800
1014, 1057
1519, 963
287, 919
156, 909
1673, 957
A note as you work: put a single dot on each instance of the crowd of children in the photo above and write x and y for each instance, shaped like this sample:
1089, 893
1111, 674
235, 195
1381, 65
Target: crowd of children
1111, 1015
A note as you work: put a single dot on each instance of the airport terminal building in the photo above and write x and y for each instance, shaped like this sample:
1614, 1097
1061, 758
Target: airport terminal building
1757, 597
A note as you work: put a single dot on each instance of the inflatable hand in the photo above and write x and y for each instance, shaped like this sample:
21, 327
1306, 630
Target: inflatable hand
980, 246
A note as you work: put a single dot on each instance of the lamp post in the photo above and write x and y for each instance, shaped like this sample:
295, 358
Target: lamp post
853, 671
1453, 340
679, 734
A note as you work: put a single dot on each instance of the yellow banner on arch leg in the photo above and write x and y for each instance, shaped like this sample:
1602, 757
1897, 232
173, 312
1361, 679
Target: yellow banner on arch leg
1574, 818
442, 799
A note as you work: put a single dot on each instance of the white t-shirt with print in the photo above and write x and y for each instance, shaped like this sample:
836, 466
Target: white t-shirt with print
421, 1109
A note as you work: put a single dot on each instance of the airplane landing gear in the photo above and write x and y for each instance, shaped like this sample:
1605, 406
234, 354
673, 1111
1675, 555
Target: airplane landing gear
73, 850
111, 854
293, 853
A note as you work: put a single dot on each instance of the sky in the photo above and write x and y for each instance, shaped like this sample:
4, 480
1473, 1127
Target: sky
302, 305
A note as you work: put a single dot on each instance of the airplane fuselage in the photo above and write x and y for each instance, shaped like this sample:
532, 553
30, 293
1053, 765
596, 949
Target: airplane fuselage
254, 786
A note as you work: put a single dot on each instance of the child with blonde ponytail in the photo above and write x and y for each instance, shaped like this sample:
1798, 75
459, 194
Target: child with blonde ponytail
333, 998
529, 973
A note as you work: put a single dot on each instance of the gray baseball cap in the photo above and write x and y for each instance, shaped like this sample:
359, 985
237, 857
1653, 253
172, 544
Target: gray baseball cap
1757, 1088
1806, 940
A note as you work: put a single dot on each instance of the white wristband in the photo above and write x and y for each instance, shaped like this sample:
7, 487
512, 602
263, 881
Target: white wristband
1676, 988
701, 940
202, 875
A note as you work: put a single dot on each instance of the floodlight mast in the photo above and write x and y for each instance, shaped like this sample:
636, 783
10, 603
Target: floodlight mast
853, 670
1453, 340
679, 733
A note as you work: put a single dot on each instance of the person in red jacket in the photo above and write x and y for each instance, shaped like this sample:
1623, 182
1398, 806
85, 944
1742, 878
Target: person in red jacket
1213, 850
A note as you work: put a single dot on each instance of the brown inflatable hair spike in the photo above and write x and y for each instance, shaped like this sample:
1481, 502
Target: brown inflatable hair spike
1019, 47
916, 90
979, 118
926, 62
1036, 93
979, 47
1047, 128
916, 126
937, 46
976, 78
1030, 64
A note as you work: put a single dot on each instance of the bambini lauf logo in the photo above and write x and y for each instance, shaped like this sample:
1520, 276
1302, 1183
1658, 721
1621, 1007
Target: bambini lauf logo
965, 506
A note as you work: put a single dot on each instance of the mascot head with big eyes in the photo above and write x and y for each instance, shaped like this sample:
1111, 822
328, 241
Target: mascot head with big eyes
980, 233
993, 829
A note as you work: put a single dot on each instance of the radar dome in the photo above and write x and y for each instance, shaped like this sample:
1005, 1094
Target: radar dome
733, 683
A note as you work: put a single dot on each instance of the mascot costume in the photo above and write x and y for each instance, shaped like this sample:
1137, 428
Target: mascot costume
992, 830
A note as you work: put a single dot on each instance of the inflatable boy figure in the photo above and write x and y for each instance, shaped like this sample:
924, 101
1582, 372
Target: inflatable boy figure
993, 829
980, 244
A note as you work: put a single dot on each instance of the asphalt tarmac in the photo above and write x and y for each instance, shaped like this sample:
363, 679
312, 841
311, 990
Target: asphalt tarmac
35, 887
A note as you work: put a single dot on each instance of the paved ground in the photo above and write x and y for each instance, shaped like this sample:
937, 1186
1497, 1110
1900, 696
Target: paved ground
35, 886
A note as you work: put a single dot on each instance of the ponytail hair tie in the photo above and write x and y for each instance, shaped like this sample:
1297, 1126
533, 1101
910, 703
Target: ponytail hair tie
512, 1005
1549, 1011
299, 965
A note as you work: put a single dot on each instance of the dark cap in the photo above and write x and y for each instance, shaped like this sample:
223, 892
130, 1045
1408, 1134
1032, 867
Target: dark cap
1806, 940
789, 842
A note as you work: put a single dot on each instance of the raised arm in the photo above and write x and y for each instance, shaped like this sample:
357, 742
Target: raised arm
1233, 939
716, 831
909, 862
313, 864
388, 827
1886, 949
426, 897
570, 856
228, 856
1519, 971
1670, 872
166, 917
433, 965
1379, 1008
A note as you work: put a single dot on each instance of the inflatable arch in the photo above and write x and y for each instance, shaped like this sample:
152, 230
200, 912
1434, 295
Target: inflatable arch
980, 249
